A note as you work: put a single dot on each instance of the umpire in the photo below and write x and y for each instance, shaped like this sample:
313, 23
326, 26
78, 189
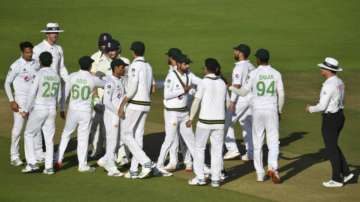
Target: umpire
331, 105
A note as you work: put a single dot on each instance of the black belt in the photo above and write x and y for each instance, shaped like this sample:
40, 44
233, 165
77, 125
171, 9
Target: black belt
137, 102
212, 121
183, 109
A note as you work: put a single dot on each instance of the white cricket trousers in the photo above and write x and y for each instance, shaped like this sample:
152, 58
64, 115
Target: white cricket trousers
112, 126
132, 133
18, 125
81, 120
179, 145
40, 119
174, 125
245, 121
217, 142
265, 122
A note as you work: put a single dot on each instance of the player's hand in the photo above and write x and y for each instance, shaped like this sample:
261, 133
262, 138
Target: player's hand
188, 123
307, 108
24, 114
231, 108
187, 89
121, 113
63, 115
14, 106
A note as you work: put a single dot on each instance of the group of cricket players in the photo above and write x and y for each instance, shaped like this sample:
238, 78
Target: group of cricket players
109, 98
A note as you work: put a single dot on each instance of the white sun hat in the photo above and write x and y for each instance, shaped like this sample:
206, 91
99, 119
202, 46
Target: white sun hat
52, 27
330, 64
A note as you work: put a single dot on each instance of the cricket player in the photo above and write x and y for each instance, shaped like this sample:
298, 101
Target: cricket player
178, 86
17, 85
137, 102
211, 94
43, 96
172, 165
239, 110
267, 89
113, 96
331, 104
102, 66
80, 85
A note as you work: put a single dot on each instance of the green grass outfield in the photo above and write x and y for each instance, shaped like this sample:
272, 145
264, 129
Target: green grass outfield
298, 33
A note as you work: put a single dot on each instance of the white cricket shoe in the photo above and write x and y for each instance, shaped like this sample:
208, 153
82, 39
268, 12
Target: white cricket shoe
215, 184
114, 172
196, 182
170, 167
87, 169
30, 168
101, 162
162, 172
246, 157
16, 162
332, 184
131, 175
260, 177
145, 172
348, 177
49, 171
231, 155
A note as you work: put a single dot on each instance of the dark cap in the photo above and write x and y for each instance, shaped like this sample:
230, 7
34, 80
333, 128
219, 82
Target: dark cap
262, 54
173, 52
104, 38
138, 47
180, 58
212, 64
245, 49
112, 45
188, 61
117, 62
85, 62
45, 59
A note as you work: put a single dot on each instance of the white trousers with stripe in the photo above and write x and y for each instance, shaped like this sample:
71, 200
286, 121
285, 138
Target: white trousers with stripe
40, 119
82, 121
265, 122
132, 133
217, 141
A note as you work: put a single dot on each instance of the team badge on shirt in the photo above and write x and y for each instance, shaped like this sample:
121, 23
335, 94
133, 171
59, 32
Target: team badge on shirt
108, 86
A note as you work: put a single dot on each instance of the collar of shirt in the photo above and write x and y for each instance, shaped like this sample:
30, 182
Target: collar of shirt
212, 75
171, 68
47, 43
115, 78
328, 80
139, 58
264, 66
23, 61
241, 61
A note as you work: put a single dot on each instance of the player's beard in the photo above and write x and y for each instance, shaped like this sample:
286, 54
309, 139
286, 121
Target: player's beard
236, 57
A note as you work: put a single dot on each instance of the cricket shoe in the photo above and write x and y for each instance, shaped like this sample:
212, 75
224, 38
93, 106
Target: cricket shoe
260, 177
348, 178
197, 182
49, 171
114, 172
332, 184
132, 175
274, 175
223, 176
86, 169
16, 162
29, 168
161, 172
58, 165
246, 157
215, 183
146, 170
170, 167
101, 162
123, 161
231, 155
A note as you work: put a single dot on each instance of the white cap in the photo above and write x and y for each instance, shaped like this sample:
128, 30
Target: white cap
331, 64
52, 27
